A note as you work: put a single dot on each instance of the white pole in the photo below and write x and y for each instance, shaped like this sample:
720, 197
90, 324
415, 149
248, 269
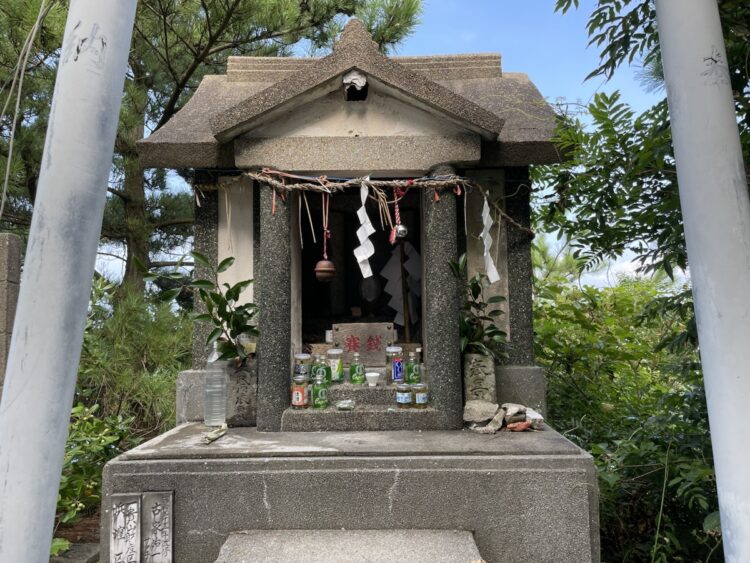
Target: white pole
48, 330
716, 212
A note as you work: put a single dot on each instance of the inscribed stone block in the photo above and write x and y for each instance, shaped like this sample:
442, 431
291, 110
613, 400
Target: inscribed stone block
125, 528
156, 527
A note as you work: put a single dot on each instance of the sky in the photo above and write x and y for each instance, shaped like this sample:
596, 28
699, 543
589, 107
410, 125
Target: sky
550, 47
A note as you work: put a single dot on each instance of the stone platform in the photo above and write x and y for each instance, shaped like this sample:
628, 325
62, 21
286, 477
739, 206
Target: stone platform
525, 497
345, 546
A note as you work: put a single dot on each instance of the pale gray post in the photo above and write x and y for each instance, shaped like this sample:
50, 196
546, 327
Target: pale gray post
10, 277
58, 269
441, 304
716, 213
275, 313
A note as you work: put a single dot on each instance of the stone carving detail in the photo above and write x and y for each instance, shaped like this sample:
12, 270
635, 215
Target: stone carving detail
141, 528
156, 510
125, 529
479, 378
242, 396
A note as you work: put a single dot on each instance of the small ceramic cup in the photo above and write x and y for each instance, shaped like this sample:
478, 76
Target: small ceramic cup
372, 378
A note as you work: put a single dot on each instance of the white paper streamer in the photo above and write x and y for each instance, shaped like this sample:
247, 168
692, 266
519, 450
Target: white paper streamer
489, 263
365, 249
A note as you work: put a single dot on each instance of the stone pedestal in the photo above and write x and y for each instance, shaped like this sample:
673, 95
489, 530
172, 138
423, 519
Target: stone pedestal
524, 497
242, 392
525, 385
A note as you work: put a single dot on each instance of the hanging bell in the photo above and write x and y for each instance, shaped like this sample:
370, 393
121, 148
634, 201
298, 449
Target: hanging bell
325, 270
401, 231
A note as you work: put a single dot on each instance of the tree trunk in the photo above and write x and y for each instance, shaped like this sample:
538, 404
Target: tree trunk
137, 226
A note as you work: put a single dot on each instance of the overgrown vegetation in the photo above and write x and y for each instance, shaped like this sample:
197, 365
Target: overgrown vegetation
134, 346
625, 385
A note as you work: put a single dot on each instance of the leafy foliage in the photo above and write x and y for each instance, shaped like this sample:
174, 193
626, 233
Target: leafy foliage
478, 331
639, 408
92, 441
133, 349
231, 319
618, 191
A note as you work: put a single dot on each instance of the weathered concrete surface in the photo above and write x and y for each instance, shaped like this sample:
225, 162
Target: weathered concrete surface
447, 480
469, 88
363, 417
206, 237
522, 384
520, 271
345, 546
274, 320
242, 395
441, 303
401, 155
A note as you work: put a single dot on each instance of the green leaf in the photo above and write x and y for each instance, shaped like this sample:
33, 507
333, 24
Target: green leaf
225, 264
214, 336
202, 284
200, 259
496, 299
59, 546
712, 524
170, 293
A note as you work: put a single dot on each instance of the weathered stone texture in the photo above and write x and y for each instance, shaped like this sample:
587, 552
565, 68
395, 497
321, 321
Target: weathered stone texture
520, 272
522, 384
275, 340
450, 480
441, 304
242, 395
206, 240
345, 546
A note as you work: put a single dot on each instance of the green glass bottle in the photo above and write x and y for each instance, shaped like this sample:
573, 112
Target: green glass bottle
356, 370
413, 374
319, 392
322, 367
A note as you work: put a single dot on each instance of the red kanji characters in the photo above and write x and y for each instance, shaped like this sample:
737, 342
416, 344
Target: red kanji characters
352, 343
374, 343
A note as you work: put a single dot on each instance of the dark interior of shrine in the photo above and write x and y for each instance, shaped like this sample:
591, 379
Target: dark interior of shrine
348, 298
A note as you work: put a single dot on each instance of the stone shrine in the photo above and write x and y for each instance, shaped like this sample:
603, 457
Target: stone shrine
374, 474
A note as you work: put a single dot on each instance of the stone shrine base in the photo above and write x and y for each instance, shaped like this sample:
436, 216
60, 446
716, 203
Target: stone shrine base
528, 496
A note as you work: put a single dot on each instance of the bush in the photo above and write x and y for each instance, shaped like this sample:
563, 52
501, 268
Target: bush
133, 349
639, 408
91, 443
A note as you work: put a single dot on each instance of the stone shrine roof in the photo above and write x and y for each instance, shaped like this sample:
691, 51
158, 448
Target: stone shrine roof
505, 109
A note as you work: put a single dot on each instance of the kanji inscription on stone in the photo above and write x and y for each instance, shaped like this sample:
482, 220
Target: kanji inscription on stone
369, 339
125, 529
156, 527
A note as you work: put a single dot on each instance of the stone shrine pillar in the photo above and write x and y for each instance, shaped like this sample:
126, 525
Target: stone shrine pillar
519, 380
441, 303
274, 318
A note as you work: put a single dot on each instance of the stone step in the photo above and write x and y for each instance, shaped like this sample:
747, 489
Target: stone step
363, 417
345, 546
363, 394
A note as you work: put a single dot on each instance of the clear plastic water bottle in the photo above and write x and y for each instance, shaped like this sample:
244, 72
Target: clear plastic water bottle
215, 394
